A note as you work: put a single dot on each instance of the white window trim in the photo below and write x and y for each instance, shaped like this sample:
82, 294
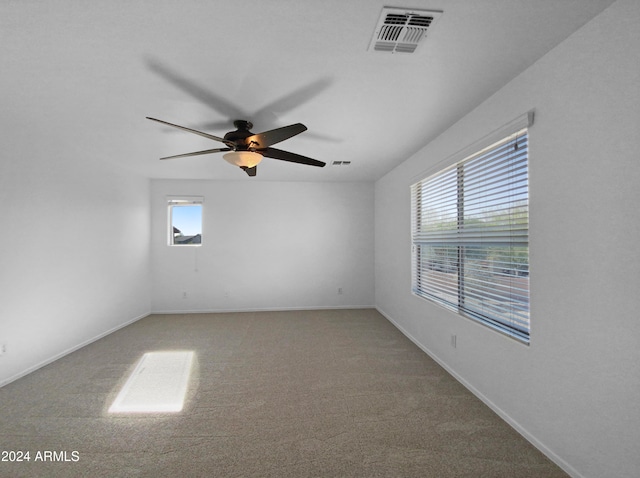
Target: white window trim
523, 121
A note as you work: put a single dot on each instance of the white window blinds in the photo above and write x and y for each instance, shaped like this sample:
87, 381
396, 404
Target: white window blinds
470, 230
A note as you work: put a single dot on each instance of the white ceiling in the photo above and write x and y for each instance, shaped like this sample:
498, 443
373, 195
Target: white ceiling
78, 78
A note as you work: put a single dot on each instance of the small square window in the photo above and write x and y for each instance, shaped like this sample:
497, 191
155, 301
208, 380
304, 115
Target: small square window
185, 221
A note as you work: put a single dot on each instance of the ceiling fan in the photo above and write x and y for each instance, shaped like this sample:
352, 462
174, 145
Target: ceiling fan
246, 149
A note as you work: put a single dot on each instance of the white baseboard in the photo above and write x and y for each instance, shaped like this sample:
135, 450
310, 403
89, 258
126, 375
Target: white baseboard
571, 471
261, 309
67, 352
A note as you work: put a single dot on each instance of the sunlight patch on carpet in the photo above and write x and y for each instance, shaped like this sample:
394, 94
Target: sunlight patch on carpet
157, 384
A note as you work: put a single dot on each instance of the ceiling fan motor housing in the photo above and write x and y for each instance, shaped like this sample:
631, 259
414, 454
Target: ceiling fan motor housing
240, 134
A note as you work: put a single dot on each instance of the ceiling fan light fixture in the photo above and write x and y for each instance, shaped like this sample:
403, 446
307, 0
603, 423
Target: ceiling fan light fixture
243, 159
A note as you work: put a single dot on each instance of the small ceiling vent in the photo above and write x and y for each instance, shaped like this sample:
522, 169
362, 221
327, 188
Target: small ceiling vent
402, 30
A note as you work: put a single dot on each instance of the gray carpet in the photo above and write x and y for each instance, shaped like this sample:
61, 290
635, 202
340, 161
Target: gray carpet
337, 393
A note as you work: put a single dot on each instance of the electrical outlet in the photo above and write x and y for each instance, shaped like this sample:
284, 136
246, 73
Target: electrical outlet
339, 290
454, 340
3, 349
184, 295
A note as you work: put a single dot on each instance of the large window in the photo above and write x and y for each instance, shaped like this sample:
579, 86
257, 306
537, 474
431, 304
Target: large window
470, 230
185, 221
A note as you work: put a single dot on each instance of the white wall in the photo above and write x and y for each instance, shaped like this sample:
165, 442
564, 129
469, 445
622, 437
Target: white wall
266, 245
575, 391
74, 252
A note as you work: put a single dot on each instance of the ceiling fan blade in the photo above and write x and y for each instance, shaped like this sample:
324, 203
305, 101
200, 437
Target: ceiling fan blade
321, 137
266, 139
222, 106
215, 125
294, 99
206, 135
250, 171
291, 157
198, 153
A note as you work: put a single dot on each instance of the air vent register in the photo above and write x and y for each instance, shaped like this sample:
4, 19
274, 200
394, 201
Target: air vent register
402, 30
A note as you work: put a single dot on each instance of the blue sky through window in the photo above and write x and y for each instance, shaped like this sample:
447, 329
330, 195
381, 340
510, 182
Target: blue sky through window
188, 219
